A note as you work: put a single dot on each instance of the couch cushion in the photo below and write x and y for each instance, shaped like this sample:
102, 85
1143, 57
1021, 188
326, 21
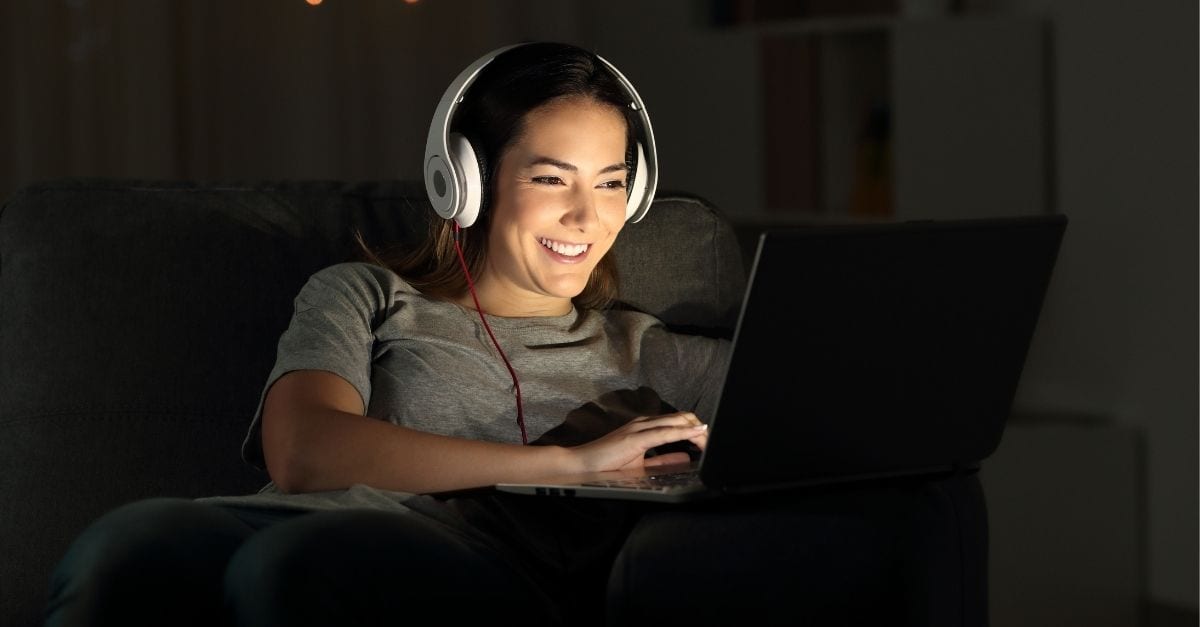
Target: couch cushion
683, 263
128, 296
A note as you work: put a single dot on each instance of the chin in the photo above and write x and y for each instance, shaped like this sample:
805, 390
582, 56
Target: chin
567, 292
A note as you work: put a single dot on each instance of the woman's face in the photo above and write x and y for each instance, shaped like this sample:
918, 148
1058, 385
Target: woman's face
559, 203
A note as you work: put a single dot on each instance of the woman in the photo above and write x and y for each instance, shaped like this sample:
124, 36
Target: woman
395, 390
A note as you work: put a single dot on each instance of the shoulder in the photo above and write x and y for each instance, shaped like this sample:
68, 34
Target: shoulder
628, 321
357, 285
648, 329
360, 274
357, 276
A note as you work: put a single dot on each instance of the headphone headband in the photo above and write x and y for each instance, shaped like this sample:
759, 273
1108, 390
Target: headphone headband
452, 177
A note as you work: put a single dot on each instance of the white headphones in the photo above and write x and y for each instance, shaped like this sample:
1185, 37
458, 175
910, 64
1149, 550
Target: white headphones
452, 177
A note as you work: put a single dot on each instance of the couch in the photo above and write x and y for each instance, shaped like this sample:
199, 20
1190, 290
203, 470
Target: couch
138, 322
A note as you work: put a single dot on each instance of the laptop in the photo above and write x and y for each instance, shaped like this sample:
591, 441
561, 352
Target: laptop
862, 351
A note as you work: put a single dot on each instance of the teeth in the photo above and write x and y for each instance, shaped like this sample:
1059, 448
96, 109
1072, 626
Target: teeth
570, 250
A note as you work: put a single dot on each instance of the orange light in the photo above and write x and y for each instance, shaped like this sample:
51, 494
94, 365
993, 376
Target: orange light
314, 2
411, 1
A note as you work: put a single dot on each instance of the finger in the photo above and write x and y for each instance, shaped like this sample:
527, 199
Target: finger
682, 419
700, 441
666, 459
690, 417
665, 435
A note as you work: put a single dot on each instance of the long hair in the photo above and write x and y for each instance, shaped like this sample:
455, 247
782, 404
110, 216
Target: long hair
492, 117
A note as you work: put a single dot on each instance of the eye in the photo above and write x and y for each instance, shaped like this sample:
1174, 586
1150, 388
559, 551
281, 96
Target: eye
547, 180
618, 184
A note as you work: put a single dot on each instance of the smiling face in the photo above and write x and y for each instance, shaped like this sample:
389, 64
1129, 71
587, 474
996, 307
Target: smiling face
558, 205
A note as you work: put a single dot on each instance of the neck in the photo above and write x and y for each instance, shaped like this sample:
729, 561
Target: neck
506, 306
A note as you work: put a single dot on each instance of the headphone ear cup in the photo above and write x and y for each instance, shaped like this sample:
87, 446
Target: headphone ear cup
471, 167
485, 179
637, 188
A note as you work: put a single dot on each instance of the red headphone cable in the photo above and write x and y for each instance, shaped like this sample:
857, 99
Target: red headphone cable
488, 328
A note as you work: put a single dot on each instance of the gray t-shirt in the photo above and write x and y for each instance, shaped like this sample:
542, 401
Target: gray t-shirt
430, 365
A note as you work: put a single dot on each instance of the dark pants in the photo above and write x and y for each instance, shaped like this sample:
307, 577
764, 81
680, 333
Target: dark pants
179, 562
894, 553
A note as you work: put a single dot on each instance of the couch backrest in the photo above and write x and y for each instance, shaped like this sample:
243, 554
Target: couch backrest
138, 322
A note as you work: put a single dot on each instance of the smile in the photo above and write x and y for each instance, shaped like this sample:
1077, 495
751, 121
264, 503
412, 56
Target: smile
566, 250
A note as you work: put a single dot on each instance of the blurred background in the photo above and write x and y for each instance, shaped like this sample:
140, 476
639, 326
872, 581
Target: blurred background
778, 112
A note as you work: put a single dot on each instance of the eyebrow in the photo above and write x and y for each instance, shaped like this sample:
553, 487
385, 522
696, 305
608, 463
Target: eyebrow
563, 165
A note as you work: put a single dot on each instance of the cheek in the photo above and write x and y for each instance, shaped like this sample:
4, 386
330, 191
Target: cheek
616, 224
612, 210
613, 223
537, 199
525, 208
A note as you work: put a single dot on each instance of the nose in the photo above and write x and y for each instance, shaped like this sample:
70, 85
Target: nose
582, 214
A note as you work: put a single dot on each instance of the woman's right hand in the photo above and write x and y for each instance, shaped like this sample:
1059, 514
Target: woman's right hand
625, 447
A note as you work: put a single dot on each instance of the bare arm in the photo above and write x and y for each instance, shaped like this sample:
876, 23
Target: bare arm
315, 438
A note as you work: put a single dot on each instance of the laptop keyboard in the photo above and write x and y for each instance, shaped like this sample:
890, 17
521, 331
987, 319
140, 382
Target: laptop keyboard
660, 482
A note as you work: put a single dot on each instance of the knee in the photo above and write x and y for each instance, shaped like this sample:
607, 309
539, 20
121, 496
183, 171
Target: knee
260, 580
121, 537
135, 553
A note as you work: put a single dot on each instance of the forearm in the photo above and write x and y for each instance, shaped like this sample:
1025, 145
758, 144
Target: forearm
330, 449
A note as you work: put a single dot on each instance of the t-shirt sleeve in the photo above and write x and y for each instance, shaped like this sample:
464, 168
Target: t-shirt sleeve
332, 329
